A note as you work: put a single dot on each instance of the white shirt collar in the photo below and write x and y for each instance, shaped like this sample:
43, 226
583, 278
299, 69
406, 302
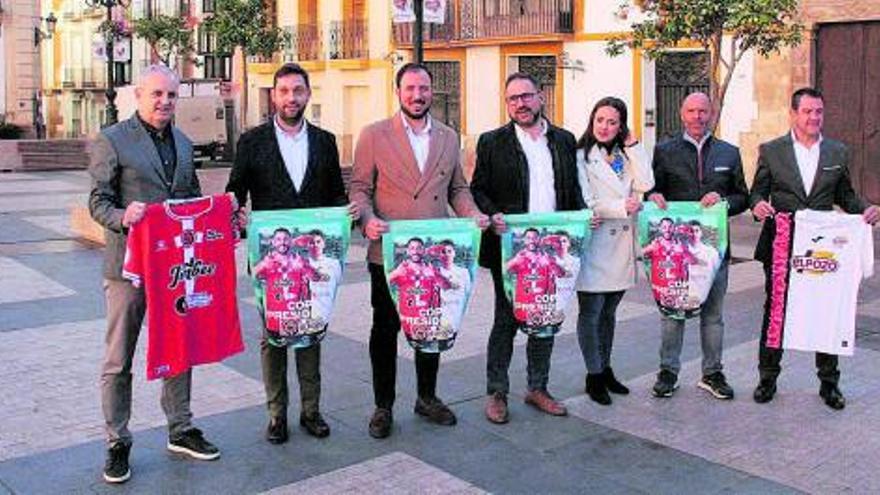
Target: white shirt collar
522, 135
699, 144
410, 130
798, 143
296, 137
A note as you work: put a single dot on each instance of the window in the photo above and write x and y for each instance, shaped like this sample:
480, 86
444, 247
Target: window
207, 6
218, 67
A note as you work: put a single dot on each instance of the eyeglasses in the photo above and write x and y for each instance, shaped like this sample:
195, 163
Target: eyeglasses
523, 97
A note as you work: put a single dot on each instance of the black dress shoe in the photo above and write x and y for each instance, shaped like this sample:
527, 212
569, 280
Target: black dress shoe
315, 425
612, 384
832, 396
765, 391
277, 432
597, 389
435, 411
380, 423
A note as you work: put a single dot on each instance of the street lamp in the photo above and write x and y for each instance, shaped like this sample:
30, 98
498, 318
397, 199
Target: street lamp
110, 37
39, 35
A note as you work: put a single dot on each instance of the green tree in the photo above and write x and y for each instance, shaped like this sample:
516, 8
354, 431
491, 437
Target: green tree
243, 24
166, 35
762, 25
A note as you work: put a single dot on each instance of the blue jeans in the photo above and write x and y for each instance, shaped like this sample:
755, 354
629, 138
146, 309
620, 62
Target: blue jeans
595, 327
500, 348
711, 330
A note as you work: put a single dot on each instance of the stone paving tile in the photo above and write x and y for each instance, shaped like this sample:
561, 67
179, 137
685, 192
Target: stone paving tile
795, 439
45, 409
61, 201
395, 473
59, 224
20, 283
39, 186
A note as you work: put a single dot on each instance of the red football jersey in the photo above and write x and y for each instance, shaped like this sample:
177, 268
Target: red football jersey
418, 298
534, 299
288, 292
183, 252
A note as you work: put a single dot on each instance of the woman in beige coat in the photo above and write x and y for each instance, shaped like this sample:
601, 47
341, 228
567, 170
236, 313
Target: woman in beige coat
613, 172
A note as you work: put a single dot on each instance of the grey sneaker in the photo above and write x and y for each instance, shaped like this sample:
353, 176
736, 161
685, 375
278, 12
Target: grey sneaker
666, 384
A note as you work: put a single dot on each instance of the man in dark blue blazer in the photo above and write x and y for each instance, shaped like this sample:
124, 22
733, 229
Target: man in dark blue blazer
697, 166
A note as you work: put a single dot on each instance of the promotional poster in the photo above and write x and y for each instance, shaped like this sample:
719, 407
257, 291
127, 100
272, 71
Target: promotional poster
296, 260
682, 248
540, 260
430, 266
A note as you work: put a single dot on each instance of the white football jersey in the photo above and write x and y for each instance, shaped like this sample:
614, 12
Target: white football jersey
831, 253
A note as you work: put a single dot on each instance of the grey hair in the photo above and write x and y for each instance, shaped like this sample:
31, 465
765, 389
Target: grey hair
157, 69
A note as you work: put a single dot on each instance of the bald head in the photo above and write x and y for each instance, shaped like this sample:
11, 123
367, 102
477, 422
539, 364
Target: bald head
696, 113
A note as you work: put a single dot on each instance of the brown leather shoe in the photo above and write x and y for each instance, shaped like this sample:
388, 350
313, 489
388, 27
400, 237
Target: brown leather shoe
496, 408
315, 425
541, 400
380, 423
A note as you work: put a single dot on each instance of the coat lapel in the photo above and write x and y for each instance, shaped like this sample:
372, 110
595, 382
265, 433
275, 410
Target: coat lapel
436, 146
824, 158
602, 171
518, 165
276, 160
403, 149
313, 157
181, 155
790, 158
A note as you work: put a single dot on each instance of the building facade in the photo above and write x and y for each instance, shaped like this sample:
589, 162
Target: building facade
20, 65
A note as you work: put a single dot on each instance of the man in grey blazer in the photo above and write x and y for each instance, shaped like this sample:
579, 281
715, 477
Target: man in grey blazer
801, 170
139, 161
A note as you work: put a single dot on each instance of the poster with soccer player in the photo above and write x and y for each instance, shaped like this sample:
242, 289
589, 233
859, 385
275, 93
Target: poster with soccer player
682, 248
296, 260
430, 266
540, 260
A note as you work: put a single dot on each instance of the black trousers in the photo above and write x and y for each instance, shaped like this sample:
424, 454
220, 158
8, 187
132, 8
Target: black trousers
769, 360
383, 346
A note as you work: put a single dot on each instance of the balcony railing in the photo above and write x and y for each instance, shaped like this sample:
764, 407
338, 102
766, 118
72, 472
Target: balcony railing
348, 40
84, 78
481, 19
305, 43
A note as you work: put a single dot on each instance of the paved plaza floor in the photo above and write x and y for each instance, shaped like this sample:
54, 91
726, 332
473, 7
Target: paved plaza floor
51, 438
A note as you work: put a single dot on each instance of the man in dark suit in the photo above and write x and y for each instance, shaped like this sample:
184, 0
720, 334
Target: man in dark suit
283, 164
801, 170
139, 161
697, 166
525, 166
405, 167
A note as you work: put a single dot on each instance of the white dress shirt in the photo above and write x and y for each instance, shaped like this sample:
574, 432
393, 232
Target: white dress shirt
807, 160
542, 191
294, 151
420, 142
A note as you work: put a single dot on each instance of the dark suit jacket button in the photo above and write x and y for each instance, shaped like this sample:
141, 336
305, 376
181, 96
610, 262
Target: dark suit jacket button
435, 198
416, 196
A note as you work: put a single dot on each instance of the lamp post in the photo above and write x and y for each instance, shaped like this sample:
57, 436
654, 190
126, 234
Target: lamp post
110, 35
36, 102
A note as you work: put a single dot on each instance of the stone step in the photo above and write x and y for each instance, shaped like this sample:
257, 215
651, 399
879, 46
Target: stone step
53, 146
54, 161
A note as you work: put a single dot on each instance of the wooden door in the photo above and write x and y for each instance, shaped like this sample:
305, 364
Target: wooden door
848, 73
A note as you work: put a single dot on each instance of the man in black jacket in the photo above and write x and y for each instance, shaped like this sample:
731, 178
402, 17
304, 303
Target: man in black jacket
282, 164
801, 170
696, 166
526, 166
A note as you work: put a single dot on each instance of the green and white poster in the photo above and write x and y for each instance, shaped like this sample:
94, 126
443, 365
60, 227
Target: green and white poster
296, 260
540, 261
682, 248
430, 266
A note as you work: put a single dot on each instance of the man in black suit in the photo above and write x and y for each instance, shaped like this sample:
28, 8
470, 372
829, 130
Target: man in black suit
697, 166
801, 170
525, 166
282, 164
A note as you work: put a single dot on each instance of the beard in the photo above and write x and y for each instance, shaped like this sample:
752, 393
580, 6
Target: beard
532, 119
294, 120
415, 116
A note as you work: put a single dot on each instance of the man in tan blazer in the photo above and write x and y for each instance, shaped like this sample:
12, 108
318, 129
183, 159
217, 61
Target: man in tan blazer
405, 167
